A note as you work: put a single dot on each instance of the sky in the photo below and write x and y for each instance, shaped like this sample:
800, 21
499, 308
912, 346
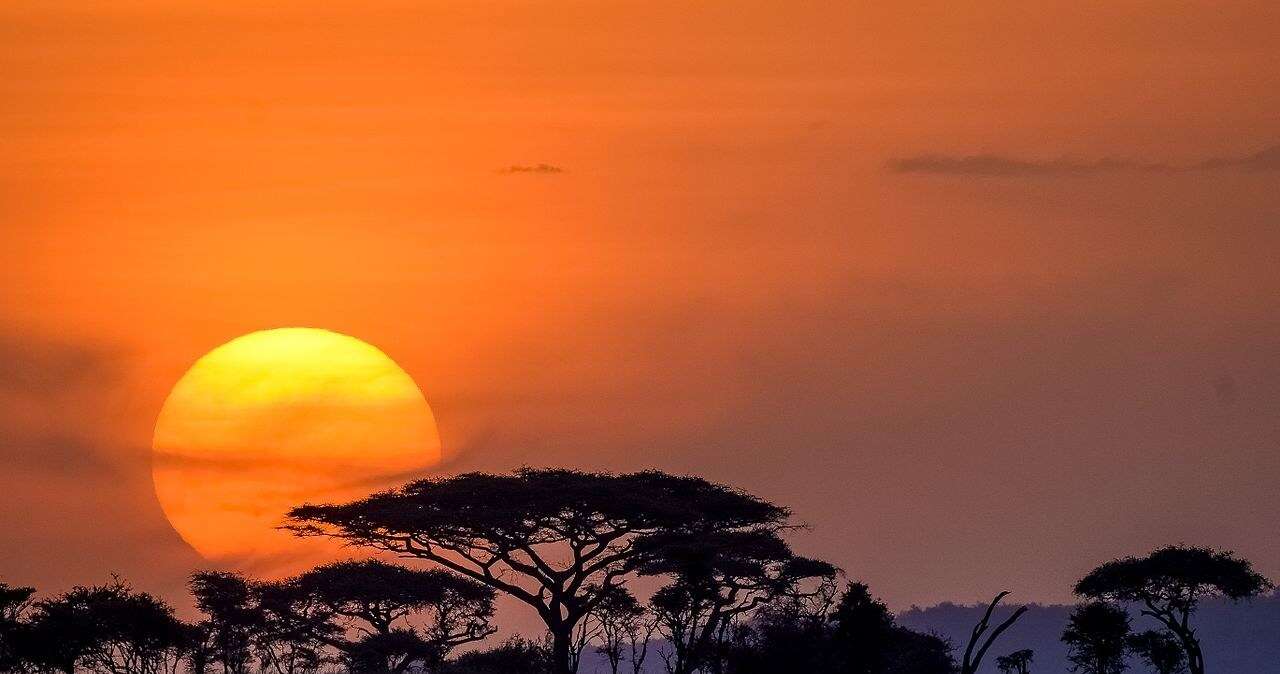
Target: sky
986, 292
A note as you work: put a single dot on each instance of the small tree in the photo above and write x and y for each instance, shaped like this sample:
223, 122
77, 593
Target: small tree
719, 578
1170, 583
617, 616
378, 598
1097, 634
233, 617
977, 648
556, 540
1017, 662
110, 629
1160, 651
296, 628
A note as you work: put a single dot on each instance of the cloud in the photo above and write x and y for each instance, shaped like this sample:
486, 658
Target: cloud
51, 393
1002, 166
543, 169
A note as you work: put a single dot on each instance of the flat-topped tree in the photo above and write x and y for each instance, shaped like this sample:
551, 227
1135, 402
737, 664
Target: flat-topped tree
379, 596
557, 540
719, 577
1169, 584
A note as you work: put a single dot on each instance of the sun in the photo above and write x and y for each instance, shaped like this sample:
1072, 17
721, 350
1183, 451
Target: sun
277, 418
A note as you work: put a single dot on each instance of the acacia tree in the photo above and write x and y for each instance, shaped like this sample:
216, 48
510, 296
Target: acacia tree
619, 618
110, 629
556, 540
1170, 583
1160, 651
1017, 662
295, 629
719, 578
377, 598
233, 617
1097, 634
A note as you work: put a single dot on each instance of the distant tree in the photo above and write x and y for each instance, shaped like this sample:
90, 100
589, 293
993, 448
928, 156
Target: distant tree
1017, 662
864, 631
1097, 635
792, 634
14, 602
618, 616
918, 653
719, 578
109, 629
233, 616
977, 647
514, 656
1163, 653
1170, 582
378, 598
867, 640
557, 540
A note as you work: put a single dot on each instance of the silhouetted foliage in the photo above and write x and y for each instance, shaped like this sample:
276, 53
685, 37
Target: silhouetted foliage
1161, 652
623, 628
225, 637
377, 596
556, 540
857, 636
514, 656
1170, 582
108, 629
719, 578
1017, 662
978, 646
296, 627
14, 602
1098, 635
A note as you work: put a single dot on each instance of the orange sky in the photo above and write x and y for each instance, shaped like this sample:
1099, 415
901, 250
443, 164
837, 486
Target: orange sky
966, 375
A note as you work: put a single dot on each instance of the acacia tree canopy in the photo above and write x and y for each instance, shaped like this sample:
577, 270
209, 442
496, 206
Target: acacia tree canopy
1170, 582
554, 539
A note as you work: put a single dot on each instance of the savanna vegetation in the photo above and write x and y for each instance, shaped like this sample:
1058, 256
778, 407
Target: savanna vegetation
723, 593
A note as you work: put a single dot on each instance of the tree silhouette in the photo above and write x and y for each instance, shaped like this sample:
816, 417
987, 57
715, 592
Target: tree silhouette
1160, 651
378, 596
1170, 582
864, 631
514, 656
233, 617
618, 616
14, 602
556, 540
1097, 635
973, 658
1017, 662
295, 629
718, 578
109, 629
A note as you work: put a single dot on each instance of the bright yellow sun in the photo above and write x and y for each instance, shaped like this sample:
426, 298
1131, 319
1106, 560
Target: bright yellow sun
275, 418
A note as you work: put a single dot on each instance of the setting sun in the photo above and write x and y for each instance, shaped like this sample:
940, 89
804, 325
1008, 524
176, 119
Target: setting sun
278, 417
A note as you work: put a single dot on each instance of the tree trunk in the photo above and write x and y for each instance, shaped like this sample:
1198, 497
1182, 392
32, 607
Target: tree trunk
561, 643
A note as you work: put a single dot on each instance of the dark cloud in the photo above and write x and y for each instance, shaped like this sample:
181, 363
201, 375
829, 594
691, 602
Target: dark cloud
544, 169
994, 165
37, 366
48, 389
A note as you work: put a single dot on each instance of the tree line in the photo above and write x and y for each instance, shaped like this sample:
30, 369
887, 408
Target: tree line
732, 597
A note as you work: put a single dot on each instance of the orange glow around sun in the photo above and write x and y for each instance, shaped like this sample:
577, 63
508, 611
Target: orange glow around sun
276, 418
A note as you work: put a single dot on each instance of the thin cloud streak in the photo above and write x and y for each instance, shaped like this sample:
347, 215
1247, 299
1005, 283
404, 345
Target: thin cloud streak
1002, 166
543, 169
